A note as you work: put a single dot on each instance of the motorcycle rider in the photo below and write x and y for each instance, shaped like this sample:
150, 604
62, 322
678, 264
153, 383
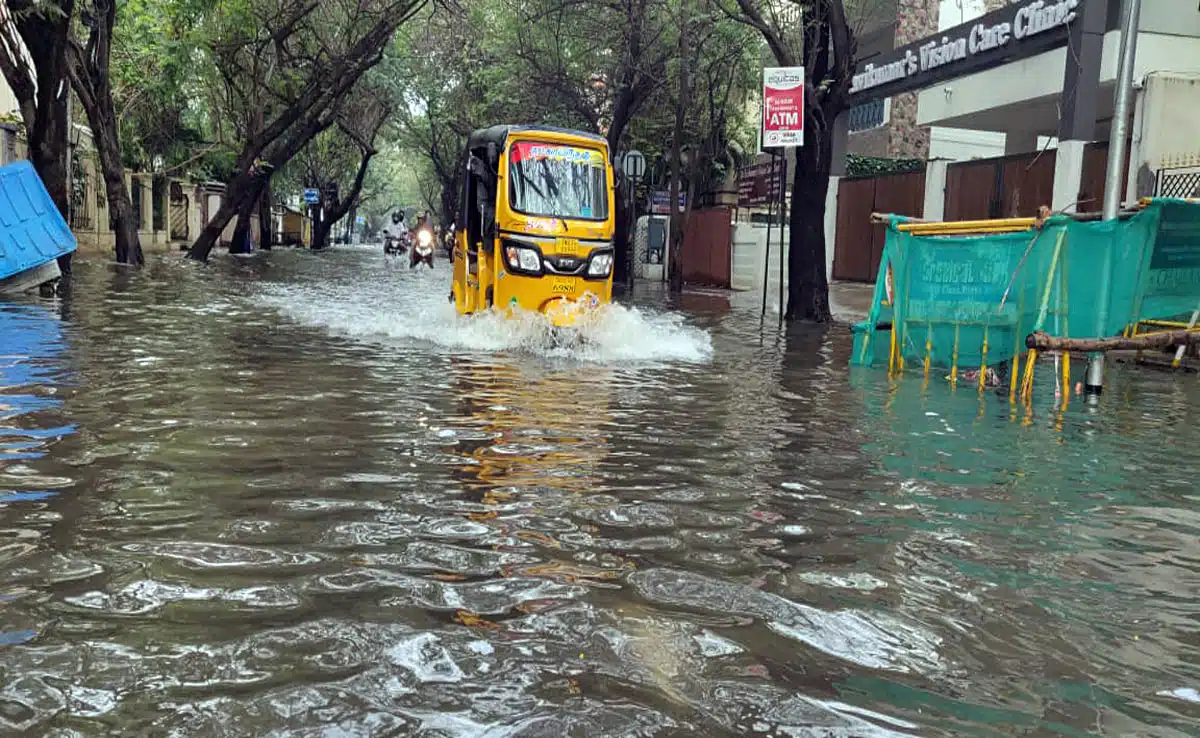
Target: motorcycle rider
394, 234
422, 250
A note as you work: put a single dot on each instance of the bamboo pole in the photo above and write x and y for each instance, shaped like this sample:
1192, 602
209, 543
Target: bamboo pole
954, 358
928, 347
1027, 387
1065, 310
983, 362
1040, 341
1179, 351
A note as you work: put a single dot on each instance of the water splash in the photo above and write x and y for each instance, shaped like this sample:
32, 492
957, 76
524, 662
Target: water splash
413, 307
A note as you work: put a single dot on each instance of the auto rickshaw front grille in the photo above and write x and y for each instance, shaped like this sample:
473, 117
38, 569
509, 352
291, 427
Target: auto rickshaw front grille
565, 264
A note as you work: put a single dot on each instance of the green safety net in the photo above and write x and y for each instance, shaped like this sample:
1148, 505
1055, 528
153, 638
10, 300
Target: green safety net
953, 298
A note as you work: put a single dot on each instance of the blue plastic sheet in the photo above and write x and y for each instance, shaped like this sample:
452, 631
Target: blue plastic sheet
32, 231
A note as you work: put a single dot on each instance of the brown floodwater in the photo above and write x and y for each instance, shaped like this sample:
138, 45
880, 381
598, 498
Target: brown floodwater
292, 495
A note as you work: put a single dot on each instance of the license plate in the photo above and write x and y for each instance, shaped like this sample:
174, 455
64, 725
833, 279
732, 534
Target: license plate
562, 288
568, 247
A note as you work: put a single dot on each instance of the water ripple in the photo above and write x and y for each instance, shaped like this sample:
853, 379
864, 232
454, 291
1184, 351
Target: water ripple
292, 495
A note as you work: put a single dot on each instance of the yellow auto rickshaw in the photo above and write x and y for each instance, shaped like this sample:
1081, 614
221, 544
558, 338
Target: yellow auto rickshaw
535, 231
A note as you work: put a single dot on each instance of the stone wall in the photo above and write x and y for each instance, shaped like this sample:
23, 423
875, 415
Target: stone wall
915, 19
901, 137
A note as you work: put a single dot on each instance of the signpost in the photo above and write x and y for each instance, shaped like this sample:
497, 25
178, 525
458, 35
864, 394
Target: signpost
756, 186
782, 128
312, 196
633, 164
783, 107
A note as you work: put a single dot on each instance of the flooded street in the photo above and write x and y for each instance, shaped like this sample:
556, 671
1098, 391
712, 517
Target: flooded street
294, 495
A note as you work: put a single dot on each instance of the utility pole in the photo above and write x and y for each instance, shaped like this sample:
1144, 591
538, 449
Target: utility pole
1114, 176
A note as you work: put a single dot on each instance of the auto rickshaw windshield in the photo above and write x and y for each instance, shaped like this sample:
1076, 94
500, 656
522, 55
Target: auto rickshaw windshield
558, 181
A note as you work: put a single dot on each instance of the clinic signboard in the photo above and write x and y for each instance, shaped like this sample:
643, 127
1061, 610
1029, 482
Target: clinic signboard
1016, 31
783, 107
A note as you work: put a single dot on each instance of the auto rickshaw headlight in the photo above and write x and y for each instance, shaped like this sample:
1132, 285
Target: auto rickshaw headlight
600, 265
522, 259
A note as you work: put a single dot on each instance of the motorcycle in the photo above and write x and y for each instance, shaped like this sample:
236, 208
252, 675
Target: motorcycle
395, 244
422, 251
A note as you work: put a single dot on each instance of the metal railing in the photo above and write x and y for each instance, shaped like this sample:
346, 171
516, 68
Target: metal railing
1179, 182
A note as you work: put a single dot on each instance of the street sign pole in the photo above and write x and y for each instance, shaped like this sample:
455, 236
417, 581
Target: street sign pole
770, 223
633, 164
782, 219
782, 129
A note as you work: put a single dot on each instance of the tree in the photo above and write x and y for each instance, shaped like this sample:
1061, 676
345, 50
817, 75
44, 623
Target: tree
285, 65
826, 48
33, 43
89, 67
358, 127
713, 75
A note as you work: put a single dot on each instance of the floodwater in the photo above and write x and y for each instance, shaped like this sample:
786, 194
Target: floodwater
293, 495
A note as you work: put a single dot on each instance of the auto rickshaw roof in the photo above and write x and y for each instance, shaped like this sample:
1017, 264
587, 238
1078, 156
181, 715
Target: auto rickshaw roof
499, 134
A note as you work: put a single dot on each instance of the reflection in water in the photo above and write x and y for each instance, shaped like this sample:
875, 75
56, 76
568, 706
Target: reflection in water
292, 494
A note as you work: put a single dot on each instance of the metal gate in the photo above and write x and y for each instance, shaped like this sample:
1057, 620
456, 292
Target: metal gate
179, 219
708, 247
858, 245
1016, 186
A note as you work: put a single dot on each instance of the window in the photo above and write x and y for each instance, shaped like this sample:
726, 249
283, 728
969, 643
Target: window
558, 181
870, 115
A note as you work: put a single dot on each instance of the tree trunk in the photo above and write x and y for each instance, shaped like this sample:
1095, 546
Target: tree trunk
321, 234
265, 224
210, 234
120, 206
338, 210
808, 287
89, 73
675, 268
43, 31
241, 231
124, 219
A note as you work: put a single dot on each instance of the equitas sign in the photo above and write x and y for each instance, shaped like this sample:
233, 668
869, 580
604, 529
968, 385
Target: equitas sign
993, 35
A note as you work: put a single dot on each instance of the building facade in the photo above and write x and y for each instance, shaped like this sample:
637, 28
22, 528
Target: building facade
1035, 81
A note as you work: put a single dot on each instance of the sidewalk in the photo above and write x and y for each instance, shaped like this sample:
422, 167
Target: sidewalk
850, 301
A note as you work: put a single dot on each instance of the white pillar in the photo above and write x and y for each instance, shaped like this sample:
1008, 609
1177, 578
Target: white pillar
166, 205
831, 212
147, 206
935, 189
1135, 145
1068, 175
1020, 142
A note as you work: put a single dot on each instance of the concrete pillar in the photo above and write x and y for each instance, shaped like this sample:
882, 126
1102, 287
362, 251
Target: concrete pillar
1020, 142
831, 212
166, 206
1068, 175
837, 170
147, 225
935, 189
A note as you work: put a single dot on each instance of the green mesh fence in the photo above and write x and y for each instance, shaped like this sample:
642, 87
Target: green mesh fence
953, 298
